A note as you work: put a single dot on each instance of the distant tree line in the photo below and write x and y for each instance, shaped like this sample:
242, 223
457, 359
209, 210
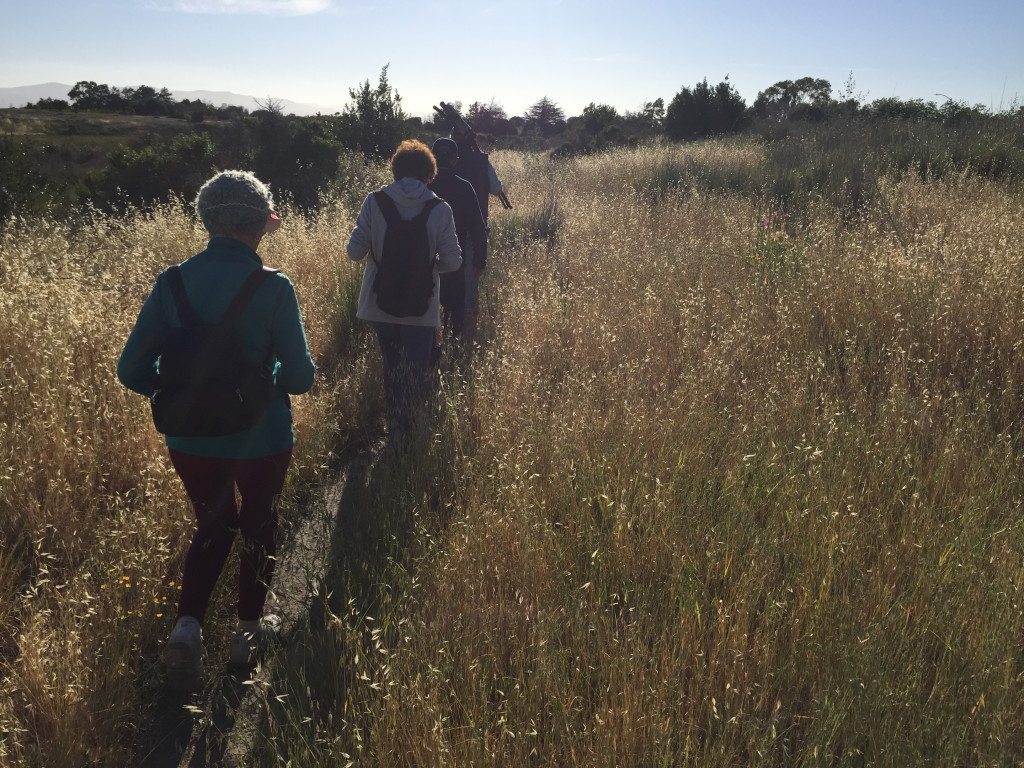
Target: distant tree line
307, 159
705, 111
90, 96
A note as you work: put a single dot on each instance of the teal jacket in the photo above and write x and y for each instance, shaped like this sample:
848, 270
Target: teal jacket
271, 321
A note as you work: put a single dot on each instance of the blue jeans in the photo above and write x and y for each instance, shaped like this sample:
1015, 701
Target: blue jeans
407, 351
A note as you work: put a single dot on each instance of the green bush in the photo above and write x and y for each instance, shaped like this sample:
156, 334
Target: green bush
153, 174
705, 111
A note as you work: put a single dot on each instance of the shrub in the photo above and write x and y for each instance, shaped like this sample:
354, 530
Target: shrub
153, 174
705, 111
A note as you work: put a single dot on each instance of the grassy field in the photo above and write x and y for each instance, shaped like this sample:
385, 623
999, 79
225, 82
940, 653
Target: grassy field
93, 521
728, 482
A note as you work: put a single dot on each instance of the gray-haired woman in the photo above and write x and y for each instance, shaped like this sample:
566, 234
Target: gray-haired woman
237, 210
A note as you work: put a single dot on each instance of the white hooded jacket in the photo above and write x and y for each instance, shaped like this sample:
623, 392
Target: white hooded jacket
410, 195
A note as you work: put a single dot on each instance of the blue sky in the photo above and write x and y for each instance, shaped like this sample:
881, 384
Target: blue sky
621, 53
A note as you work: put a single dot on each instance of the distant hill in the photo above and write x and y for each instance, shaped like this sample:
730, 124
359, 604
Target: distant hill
21, 95
24, 94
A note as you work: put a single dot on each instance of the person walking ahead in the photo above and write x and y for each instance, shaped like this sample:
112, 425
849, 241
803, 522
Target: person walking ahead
237, 210
409, 234
474, 165
469, 226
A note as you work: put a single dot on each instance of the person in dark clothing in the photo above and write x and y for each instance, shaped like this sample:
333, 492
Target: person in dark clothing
470, 227
475, 167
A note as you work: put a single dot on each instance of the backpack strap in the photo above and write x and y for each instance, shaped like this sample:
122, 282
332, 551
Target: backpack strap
427, 208
387, 206
186, 316
389, 211
245, 293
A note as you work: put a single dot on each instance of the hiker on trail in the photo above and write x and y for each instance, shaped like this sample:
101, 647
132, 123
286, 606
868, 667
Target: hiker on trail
475, 166
409, 234
470, 228
218, 346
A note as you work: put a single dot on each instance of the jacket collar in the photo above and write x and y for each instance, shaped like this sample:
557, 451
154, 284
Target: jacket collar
225, 244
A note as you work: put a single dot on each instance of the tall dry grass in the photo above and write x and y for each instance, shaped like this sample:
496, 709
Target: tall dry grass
93, 522
728, 484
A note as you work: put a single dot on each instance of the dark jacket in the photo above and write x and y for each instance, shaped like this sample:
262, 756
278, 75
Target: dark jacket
473, 168
271, 321
469, 221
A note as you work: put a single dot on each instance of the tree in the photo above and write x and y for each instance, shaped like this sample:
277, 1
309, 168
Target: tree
545, 116
705, 111
488, 118
373, 121
599, 128
271, 105
146, 100
57, 105
599, 117
806, 98
646, 121
654, 111
89, 95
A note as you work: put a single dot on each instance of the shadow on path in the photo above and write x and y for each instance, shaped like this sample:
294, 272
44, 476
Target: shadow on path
191, 731
324, 670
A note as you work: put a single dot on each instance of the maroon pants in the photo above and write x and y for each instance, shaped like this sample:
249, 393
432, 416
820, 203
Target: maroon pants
210, 485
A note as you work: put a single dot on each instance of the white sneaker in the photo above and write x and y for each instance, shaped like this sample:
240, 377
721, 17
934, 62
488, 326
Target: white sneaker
249, 644
183, 655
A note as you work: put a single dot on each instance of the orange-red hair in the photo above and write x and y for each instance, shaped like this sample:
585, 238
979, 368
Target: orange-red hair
414, 159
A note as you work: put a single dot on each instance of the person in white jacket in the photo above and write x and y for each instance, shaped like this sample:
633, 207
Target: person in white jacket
406, 343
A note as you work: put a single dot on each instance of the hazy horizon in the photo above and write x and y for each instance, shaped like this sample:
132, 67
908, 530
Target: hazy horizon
313, 51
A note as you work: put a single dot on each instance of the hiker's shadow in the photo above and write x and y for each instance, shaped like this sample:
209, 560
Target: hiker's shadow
351, 529
194, 732
375, 522
373, 533
224, 705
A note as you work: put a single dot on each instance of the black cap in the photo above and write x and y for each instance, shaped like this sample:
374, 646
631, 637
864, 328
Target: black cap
446, 151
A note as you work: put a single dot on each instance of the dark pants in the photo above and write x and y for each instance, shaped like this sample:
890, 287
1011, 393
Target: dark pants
210, 485
453, 300
407, 351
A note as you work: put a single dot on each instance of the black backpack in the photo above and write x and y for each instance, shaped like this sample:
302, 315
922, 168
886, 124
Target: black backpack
405, 271
206, 388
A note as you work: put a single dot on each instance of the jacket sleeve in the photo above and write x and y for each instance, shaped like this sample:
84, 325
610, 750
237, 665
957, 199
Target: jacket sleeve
296, 369
360, 242
477, 231
137, 367
493, 182
449, 254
